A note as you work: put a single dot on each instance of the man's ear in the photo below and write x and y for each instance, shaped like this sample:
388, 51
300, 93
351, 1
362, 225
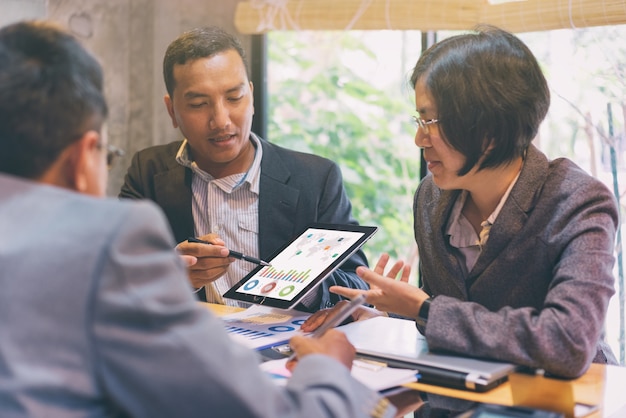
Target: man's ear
83, 161
169, 104
252, 95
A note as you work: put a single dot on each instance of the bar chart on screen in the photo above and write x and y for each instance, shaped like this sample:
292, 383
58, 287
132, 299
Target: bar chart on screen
291, 275
301, 262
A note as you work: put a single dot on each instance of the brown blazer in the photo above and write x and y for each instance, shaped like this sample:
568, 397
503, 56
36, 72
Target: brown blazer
540, 289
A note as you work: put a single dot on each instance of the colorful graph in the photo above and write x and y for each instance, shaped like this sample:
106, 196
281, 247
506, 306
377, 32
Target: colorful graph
322, 245
301, 262
291, 275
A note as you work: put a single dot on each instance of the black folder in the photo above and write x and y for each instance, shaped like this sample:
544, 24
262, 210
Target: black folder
398, 343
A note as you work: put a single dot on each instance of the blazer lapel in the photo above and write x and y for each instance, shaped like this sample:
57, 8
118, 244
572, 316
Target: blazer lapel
176, 200
440, 220
277, 202
514, 213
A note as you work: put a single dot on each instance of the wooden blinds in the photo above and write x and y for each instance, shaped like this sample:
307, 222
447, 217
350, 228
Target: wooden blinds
259, 16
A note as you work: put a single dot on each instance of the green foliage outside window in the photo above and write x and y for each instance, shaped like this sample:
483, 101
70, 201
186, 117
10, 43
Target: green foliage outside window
321, 102
321, 106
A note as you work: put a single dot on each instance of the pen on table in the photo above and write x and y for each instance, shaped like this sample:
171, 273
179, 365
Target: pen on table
337, 318
232, 253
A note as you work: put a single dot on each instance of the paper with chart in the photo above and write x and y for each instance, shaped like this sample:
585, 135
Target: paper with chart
300, 263
260, 327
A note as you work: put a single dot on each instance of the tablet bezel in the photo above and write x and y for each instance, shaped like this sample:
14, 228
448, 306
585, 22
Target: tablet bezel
367, 231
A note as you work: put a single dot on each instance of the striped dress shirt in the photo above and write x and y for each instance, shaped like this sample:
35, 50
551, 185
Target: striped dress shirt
228, 207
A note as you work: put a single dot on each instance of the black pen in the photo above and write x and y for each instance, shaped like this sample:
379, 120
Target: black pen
233, 254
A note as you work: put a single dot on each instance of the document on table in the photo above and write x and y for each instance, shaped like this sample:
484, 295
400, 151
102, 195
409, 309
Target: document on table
375, 375
260, 327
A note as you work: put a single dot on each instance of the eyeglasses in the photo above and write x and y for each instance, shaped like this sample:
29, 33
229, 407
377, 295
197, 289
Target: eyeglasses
421, 123
113, 153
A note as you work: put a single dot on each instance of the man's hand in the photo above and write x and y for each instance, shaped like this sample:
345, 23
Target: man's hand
212, 261
189, 260
316, 320
333, 343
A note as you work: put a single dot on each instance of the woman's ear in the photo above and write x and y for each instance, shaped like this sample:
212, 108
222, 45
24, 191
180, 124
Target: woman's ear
488, 145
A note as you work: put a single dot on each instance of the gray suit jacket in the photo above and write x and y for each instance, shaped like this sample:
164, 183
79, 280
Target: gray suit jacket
542, 284
295, 189
98, 320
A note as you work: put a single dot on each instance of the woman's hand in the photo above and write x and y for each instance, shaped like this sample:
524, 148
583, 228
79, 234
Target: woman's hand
387, 295
363, 312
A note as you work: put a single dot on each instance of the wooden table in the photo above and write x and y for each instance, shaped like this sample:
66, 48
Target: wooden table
600, 385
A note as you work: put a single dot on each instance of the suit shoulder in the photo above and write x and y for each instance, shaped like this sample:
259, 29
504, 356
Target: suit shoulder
138, 215
157, 152
100, 219
120, 209
427, 187
566, 174
152, 160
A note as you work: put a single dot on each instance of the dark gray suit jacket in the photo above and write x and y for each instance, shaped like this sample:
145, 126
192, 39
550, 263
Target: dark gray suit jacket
295, 189
542, 284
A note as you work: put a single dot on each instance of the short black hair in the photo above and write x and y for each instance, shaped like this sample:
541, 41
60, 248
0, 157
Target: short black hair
50, 94
198, 43
489, 90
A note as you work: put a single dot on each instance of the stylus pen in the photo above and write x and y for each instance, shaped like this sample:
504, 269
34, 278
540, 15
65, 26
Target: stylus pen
337, 318
234, 254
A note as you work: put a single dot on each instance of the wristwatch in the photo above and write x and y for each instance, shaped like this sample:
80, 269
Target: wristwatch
422, 315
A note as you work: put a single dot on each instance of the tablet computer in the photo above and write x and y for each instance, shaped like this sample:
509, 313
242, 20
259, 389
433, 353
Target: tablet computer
301, 265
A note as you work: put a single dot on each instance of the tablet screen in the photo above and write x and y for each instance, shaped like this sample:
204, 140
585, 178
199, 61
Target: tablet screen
301, 265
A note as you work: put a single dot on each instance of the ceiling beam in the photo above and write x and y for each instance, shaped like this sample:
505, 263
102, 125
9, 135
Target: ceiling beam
258, 16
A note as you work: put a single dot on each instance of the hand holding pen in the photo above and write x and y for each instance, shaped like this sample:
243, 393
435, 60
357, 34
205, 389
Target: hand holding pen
233, 254
333, 344
212, 261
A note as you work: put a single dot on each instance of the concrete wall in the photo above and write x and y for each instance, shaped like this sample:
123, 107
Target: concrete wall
130, 37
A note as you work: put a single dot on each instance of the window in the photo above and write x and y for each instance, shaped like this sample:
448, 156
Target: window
345, 95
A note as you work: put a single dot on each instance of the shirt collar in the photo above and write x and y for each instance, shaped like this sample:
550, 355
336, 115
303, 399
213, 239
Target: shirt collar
458, 226
492, 218
460, 231
252, 176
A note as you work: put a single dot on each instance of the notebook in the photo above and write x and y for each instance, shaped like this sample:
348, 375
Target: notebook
398, 343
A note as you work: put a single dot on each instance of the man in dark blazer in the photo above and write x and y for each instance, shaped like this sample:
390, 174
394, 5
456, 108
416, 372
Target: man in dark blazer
267, 195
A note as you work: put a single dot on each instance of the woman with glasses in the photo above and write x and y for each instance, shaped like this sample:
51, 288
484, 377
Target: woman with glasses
516, 250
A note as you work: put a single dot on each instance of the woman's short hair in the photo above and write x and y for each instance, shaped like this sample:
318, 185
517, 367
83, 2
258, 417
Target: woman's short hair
489, 91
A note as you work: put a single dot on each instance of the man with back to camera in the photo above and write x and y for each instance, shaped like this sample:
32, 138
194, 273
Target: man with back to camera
226, 185
97, 318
